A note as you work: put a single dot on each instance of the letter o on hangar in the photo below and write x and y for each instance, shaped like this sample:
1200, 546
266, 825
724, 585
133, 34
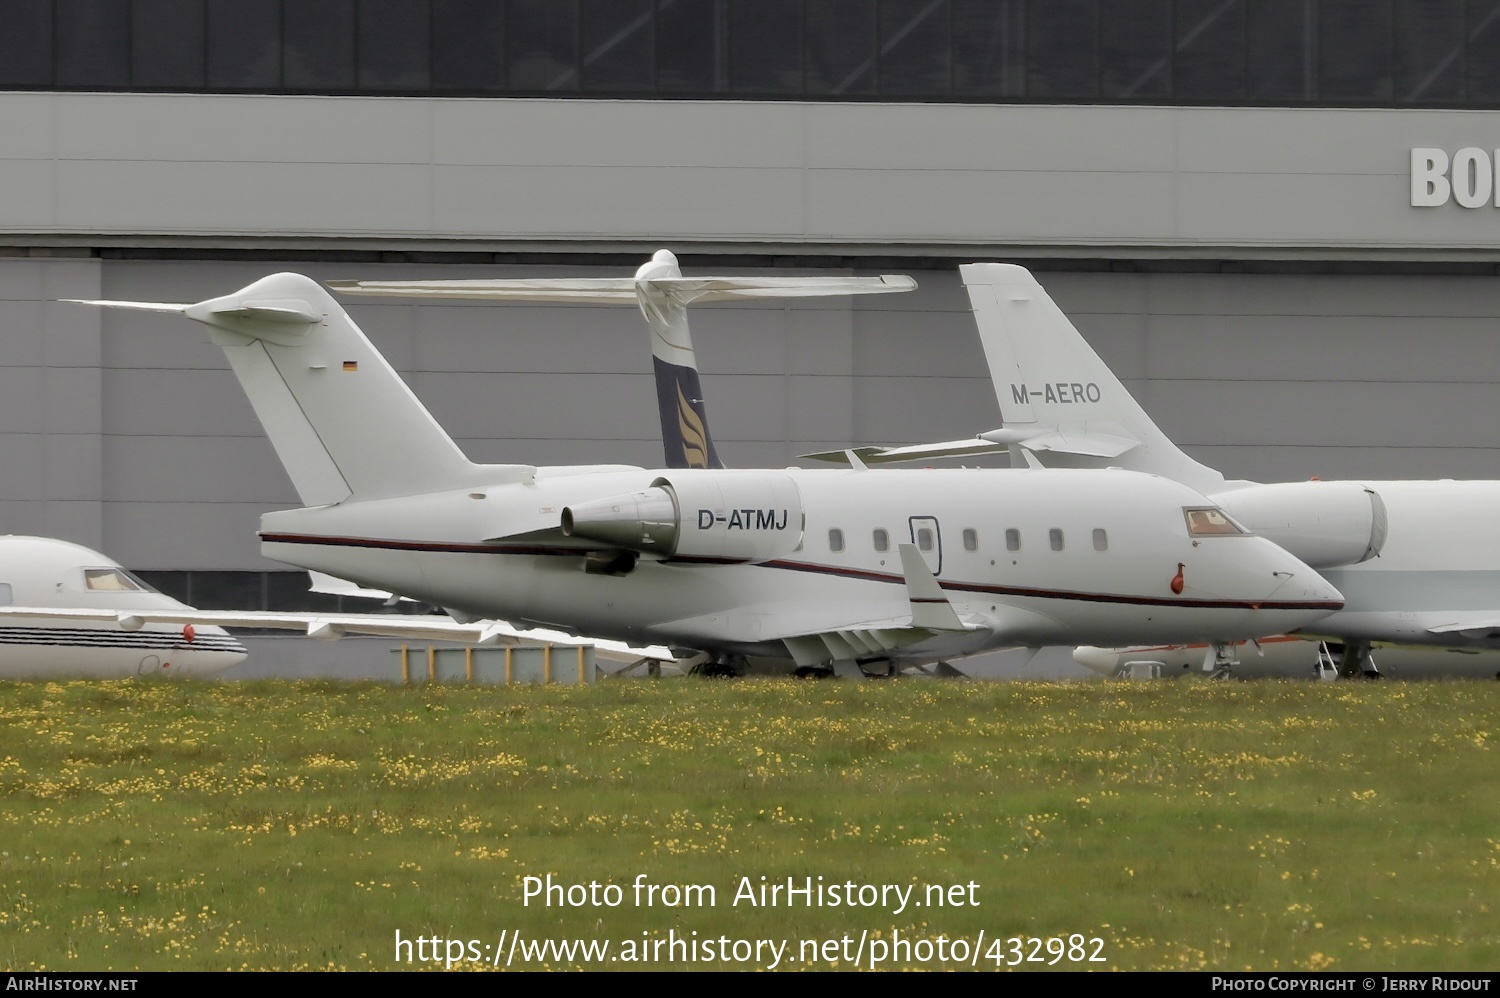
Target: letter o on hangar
1473, 176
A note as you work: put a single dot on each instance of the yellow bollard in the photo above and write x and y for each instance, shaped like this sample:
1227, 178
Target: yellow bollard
469, 665
580, 665
431, 664
508, 650
405, 666
546, 664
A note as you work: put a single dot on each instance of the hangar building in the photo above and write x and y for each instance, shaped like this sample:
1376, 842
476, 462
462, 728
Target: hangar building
1278, 219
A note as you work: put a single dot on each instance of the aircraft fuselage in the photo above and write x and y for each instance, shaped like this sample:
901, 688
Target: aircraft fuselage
1025, 557
1440, 566
38, 572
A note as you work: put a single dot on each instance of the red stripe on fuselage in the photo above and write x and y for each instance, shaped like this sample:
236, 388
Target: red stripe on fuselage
444, 547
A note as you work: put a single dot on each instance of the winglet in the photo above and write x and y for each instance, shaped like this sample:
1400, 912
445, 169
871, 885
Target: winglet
930, 608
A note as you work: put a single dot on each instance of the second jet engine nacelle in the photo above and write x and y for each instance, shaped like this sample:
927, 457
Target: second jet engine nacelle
1326, 524
712, 515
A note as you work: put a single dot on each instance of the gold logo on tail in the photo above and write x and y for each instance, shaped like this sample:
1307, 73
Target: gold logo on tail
694, 436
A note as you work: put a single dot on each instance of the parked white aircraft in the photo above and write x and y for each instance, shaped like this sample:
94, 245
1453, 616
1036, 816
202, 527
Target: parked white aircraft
1417, 562
819, 567
40, 575
67, 612
663, 296
1286, 656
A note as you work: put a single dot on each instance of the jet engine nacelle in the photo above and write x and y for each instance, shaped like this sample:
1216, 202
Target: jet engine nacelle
1326, 524
710, 515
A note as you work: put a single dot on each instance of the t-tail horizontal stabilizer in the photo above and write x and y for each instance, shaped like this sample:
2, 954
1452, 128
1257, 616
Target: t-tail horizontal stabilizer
663, 295
661, 275
342, 421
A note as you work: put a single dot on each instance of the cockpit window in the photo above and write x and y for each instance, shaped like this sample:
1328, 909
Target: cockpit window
1210, 522
110, 580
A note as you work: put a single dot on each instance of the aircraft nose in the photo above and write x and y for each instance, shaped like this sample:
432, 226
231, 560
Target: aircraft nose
213, 650
1324, 591
1295, 582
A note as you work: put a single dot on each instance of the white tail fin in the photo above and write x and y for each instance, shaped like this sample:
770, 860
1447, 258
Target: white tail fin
342, 421
663, 296
1057, 399
685, 438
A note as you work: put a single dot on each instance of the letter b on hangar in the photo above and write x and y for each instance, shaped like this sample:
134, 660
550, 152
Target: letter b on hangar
1468, 177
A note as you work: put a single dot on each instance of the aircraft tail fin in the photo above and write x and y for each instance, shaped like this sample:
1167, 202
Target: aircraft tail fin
342, 421
663, 296
685, 439
1058, 399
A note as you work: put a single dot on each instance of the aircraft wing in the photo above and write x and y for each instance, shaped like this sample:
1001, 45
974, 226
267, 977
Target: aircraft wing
971, 447
1088, 442
852, 642
810, 639
870, 637
1478, 626
604, 290
329, 626
807, 634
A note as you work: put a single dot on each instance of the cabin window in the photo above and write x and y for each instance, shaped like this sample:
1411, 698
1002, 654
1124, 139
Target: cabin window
1101, 539
882, 540
835, 539
924, 538
971, 539
109, 580
1210, 522
5, 595
1012, 539
1055, 535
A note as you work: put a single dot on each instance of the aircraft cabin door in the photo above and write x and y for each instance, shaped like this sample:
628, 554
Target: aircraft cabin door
929, 541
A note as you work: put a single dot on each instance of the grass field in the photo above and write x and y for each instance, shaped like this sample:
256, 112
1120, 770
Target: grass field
1182, 825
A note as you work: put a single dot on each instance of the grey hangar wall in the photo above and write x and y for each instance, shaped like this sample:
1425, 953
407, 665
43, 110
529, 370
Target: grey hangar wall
1366, 349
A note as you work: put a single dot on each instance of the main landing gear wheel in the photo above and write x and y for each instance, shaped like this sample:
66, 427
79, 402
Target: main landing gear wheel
1357, 662
722, 667
1220, 659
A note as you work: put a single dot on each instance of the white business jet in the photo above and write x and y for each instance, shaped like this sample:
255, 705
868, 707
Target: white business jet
67, 612
102, 631
1418, 562
71, 613
662, 295
873, 568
